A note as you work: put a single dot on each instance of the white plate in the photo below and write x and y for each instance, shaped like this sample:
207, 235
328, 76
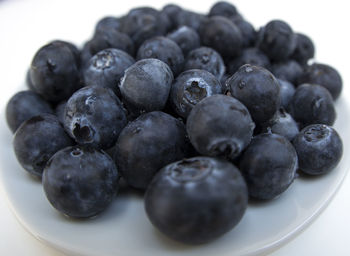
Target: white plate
124, 229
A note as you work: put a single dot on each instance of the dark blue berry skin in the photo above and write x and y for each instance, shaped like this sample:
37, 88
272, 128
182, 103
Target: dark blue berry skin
36, 140
146, 86
80, 182
186, 38
248, 32
325, 76
71, 46
206, 58
196, 200
251, 56
283, 124
304, 50
106, 68
188, 18
148, 143
144, 23
258, 90
54, 72
23, 106
269, 165
319, 148
59, 111
220, 125
171, 11
165, 50
277, 40
190, 87
289, 71
94, 116
223, 8
222, 35
312, 104
287, 91
108, 23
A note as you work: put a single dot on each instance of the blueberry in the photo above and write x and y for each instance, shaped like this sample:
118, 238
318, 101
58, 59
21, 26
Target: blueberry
304, 49
59, 111
108, 23
222, 35
186, 38
196, 200
146, 85
172, 10
258, 90
220, 125
206, 58
289, 70
148, 143
312, 104
94, 116
319, 149
106, 69
251, 56
71, 46
54, 72
324, 75
36, 140
223, 8
283, 124
248, 32
268, 164
287, 91
163, 49
188, 18
23, 106
190, 87
79, 181
277, 40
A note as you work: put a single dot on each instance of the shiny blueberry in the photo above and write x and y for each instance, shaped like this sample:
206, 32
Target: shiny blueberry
37, 139
220, 125
190, 87
319, 148
148, 143
196, 200
80, 182
268, 164
94, 116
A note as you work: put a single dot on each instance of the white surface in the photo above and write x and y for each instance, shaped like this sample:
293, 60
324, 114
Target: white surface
26, 25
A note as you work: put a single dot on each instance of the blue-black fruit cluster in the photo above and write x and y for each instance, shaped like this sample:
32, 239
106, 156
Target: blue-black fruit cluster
199, 111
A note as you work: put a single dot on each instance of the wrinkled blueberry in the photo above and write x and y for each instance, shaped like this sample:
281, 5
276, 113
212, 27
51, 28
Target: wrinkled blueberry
312, 104
258, 90
196, 200
106, 68
289, 71
54, 72
36, 140
23, 106
222, 35
251, 56
268, 164
287, 91
304, 49
220, 125
80, 182
165, 50
190, 87
186, 38
146, 144
146, 85
319, 149
277, 40
324, 75
223, 8
206, 58
94, 116
283, 124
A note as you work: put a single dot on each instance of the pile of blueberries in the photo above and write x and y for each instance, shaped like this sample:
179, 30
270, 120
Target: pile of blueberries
201, 112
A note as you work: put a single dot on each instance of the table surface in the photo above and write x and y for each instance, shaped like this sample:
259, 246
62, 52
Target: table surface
26, 25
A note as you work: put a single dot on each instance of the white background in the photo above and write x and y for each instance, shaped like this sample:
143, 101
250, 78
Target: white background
25, 25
